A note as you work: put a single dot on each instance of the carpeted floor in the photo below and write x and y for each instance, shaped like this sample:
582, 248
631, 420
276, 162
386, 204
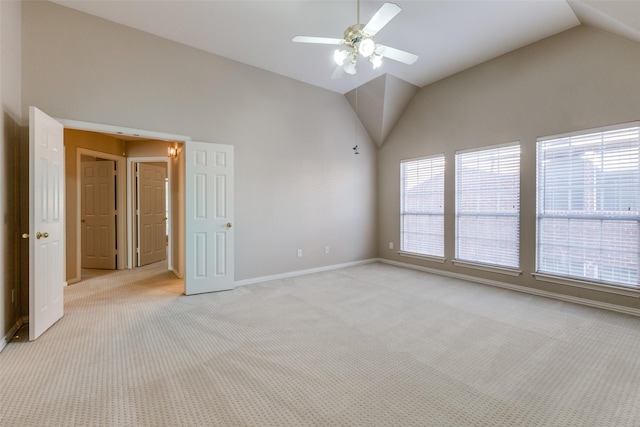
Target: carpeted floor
364, 346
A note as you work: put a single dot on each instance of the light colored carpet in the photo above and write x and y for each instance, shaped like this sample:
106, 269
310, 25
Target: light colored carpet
364, 346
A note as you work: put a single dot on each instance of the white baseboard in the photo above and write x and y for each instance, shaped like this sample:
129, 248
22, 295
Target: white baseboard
303, 272
547, 294
11, 333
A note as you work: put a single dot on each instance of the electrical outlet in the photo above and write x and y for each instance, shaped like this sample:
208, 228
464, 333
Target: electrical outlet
326, 249
390, 245
299, 253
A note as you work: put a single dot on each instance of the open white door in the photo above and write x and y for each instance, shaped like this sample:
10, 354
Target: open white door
98, 214
46, 222
209, 243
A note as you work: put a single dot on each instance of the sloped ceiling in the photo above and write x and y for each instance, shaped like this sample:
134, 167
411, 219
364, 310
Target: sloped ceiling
379, 104
448, 36
618, 17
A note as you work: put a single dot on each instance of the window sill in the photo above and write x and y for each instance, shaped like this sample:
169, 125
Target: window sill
594, 286
441, 260
489, 268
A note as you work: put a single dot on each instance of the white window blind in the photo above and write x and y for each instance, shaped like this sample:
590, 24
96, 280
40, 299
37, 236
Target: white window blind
422, 206
488, 205
587, 205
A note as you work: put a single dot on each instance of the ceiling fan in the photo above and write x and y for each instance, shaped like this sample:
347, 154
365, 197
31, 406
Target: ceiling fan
358, 40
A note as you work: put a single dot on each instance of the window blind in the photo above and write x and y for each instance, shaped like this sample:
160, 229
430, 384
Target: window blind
422, 206
488, 205
588, 194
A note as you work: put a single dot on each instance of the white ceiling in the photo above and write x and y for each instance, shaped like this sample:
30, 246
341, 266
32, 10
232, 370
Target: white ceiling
449, 36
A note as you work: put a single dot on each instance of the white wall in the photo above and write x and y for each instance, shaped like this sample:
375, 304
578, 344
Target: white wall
10, 98
298, 183
580, 79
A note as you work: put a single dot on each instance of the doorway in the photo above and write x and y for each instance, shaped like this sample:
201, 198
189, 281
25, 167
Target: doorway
96, 225
202, 205
92, 240
204, 212
151, 214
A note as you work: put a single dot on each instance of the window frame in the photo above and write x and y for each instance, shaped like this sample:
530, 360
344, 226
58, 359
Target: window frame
596, 213
435, 170
494, 265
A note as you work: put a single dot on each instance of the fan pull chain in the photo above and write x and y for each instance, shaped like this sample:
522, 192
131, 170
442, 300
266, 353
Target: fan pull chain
355, 149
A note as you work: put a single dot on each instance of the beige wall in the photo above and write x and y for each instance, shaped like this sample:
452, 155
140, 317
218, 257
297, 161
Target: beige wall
582, 78
298, 183
10, 135
148, 148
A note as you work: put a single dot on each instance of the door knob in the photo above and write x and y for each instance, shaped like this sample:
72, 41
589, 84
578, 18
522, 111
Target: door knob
229, 225
39, 235
25, 235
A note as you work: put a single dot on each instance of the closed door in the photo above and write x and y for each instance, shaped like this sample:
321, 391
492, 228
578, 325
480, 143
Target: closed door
152, 213
98, 214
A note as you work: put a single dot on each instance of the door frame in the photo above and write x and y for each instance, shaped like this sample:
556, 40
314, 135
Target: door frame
120, 197
131, 161
138, 133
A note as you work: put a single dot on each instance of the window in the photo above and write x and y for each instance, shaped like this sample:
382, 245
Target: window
422, 206
587, 205
488, 205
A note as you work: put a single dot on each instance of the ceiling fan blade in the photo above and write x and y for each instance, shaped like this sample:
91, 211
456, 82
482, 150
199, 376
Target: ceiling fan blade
396, 54
382, 17
337, 73
318, 40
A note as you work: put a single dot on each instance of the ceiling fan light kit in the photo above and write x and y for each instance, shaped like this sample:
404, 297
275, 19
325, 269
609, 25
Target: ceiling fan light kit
366, 47
358, 38
350, 67
340, 56
376, 60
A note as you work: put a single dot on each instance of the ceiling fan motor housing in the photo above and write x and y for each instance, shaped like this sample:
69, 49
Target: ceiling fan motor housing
353, 35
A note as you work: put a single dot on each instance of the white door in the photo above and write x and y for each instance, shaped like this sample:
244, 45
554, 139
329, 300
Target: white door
152, 213
46, 222
209, 243
98, 214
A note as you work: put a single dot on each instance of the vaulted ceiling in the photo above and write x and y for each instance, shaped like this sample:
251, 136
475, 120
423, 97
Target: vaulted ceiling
448, 36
